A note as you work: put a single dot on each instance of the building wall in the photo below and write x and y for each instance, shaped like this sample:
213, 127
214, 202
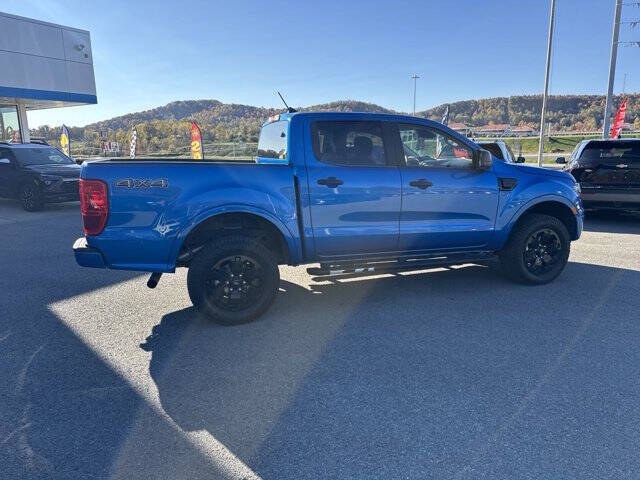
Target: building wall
44, 65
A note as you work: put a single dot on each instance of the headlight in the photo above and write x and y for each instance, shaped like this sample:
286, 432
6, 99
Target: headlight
49, 179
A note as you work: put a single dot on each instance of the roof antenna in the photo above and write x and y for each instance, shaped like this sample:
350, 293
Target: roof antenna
289, 109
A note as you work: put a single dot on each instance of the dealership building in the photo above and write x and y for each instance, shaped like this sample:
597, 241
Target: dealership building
42, 65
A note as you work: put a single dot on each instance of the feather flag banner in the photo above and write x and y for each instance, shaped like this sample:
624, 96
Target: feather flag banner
65, 141
197, 151
619, 121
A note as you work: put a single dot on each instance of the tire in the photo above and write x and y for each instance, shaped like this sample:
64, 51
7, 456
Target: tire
537, 250
233, 280
31, 197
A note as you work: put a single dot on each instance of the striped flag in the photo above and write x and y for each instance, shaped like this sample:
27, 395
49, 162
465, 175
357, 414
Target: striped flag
439, 141
445, 117
133, 142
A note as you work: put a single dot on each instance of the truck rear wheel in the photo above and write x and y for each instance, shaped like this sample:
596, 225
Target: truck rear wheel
537, 250
233, 280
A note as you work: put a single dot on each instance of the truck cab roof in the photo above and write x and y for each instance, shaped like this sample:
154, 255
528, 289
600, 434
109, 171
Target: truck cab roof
352, 116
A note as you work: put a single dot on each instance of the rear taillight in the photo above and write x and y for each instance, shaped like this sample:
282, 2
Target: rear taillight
94, 204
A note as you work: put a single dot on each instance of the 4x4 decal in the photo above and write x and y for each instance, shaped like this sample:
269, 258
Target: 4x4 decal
142, 183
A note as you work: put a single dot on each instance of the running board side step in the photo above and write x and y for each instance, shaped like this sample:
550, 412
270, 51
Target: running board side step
401, 264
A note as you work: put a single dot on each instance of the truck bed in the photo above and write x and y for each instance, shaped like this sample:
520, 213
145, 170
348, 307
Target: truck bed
154, 203
170, 159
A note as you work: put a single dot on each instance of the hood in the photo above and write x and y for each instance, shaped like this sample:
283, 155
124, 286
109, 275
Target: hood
548, 172
65, 171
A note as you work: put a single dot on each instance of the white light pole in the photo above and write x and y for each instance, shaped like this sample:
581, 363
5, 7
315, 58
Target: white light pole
415, 79
612, 68
546, 82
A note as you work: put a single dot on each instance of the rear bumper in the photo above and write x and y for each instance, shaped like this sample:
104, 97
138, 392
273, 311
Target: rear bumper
87, 256
610, 198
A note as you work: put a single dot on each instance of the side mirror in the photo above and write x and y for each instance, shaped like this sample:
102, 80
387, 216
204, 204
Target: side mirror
6, 161
561, 160
520, 159
483, 160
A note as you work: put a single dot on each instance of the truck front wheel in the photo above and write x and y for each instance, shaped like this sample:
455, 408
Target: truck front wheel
537, 250
233, 280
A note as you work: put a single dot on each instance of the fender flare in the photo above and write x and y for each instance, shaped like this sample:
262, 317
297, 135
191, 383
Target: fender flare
292, 245
525, 207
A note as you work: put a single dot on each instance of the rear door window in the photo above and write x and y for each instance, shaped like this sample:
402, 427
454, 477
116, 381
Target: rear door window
273, 140
349, 143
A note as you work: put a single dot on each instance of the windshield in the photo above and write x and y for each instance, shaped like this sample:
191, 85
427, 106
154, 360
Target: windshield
574, 154
41, 156
510, 152
493, 148
610, 153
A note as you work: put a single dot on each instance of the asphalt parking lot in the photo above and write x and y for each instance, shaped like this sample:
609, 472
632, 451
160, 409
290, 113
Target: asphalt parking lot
450, 373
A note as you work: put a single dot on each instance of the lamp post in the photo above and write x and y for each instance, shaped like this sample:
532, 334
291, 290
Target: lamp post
612, 68
546, 83
415, 79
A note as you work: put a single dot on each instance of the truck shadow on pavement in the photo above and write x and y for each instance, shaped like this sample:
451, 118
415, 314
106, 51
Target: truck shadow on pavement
65, 413
445, 374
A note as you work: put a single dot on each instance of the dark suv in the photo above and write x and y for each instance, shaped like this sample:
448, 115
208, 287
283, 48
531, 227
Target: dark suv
37, 174
608, 172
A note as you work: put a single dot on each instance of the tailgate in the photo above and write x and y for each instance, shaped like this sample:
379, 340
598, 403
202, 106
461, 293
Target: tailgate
619, 175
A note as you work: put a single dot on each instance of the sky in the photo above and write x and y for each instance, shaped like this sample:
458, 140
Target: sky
148, 53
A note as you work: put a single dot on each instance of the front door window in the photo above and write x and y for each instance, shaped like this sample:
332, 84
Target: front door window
431, 148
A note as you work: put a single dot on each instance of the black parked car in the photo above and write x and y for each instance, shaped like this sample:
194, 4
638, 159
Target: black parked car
37, 174
608, 172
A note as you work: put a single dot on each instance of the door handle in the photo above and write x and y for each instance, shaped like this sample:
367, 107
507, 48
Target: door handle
421, 183
331, 182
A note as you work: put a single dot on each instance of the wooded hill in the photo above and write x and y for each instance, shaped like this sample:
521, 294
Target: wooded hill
166, 128
574, 113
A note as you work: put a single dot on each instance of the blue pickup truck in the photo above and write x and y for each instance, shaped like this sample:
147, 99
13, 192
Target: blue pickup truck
352, 192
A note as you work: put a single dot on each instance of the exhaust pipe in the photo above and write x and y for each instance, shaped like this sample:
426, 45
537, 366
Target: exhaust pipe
154, 279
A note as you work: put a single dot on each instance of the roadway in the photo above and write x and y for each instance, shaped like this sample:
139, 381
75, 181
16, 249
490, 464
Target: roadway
449, 373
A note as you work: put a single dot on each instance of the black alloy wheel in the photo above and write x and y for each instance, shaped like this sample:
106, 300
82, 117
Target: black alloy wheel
537, 250
30, 197
543, 250
233, 279
235, 282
